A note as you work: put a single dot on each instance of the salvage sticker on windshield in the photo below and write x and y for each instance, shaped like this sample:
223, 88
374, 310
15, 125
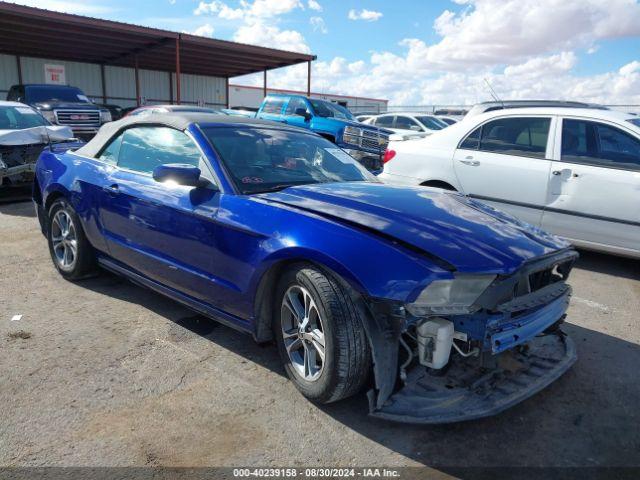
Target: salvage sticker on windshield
26, 111
340, 154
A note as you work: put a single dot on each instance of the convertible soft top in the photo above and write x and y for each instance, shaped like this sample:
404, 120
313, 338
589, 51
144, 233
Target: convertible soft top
177, 120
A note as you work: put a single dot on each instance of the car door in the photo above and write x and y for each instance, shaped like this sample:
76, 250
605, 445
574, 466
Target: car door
385, 121
407, 124
506, 162
164, 231
292, 114
594, 185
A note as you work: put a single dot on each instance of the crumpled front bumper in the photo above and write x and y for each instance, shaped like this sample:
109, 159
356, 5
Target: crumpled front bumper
468, 391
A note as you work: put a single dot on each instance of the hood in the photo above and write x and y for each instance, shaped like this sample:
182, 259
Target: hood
338, 123
466, 234
35, 135
53, 105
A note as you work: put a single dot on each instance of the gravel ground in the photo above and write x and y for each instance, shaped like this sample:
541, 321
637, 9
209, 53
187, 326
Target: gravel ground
105, 373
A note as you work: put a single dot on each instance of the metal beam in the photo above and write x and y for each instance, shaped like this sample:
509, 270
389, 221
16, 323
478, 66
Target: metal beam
226, 83
104, 83
178, 69
309, 78
264, 85
137, 82
19, 67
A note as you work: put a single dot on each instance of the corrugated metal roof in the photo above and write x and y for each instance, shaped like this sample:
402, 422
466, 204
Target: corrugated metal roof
37, 32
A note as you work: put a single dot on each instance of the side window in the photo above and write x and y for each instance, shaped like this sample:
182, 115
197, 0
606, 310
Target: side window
406, 123
273, 105
525, 136
599, 144
13, 94
472, 142
295, 104
144, 148
110, 154
384, 121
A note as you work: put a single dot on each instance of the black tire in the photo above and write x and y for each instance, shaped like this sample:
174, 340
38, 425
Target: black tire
347, 357
84, 264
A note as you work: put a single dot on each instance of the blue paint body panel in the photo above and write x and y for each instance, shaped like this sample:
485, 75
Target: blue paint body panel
213, 245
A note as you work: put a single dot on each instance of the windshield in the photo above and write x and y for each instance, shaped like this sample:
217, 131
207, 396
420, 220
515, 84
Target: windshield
19, 118
45, 94
263, 160
432, 123
328, 109
635, 121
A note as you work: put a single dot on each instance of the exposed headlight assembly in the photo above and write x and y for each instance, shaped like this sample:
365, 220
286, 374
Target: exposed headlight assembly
105, 116
49, 115
450, 297
352, 135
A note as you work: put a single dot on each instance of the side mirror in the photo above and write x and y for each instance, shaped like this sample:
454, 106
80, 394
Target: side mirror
302, 112
180, 173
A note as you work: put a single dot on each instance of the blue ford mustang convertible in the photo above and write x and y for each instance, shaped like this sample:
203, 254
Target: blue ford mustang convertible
442, 307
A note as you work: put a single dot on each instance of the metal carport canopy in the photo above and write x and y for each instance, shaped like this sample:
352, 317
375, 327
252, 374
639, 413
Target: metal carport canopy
36, 32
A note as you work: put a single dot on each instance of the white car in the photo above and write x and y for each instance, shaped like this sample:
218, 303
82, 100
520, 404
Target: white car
574, 172
408, 122
24, 132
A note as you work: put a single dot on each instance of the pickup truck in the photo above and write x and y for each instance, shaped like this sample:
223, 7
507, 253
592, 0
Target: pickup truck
63, 105
365, 143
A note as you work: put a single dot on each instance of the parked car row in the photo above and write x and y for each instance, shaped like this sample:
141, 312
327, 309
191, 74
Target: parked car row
574, 171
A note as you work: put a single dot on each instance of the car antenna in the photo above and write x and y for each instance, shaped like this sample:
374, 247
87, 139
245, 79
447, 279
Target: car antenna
493, 93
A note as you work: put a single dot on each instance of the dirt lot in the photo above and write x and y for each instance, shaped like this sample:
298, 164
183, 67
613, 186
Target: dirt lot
106, 373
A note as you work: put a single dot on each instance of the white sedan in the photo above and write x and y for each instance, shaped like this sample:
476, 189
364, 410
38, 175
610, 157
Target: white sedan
573, 172
408, 122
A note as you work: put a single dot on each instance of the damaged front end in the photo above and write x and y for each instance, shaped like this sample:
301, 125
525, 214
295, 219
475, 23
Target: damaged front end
472, 348
17, 163
20, 149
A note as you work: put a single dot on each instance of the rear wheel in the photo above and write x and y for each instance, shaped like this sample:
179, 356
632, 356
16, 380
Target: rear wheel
70, 250
320, 336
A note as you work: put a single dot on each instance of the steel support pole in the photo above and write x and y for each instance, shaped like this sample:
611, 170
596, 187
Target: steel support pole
178, 69
264, 85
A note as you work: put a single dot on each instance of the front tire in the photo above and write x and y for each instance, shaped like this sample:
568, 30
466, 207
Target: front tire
71, 253
320, 336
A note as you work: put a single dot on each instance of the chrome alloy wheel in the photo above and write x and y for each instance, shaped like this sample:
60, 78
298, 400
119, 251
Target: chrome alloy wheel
303, 333
64, 240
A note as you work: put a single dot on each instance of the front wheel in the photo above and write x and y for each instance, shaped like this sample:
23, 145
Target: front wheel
72, 254
320, 336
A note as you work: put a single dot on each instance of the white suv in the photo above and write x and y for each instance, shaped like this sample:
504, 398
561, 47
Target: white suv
574, 172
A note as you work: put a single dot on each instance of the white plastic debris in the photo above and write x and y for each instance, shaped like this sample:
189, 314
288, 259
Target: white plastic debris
16, 318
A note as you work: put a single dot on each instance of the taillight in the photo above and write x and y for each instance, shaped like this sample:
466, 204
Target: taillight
388, 155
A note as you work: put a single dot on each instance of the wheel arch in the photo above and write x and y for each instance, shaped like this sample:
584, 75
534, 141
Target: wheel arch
439, 184
264, 299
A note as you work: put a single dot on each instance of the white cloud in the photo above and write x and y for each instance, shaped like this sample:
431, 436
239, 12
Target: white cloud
313, 5
258, 9
318, 25
494, 32
524, 48
364, 14
205, 30
260, 33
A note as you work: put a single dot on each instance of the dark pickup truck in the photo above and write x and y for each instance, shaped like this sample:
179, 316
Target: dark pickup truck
63, 105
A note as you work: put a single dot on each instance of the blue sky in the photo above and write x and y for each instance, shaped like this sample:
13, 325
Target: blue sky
420, 52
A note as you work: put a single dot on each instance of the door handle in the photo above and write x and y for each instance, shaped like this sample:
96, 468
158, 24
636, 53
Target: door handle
112, 189
556, 172
559, 172
472, 163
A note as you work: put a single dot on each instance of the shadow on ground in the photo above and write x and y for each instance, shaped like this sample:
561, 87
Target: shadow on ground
589, 417
20, 206
609, 264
